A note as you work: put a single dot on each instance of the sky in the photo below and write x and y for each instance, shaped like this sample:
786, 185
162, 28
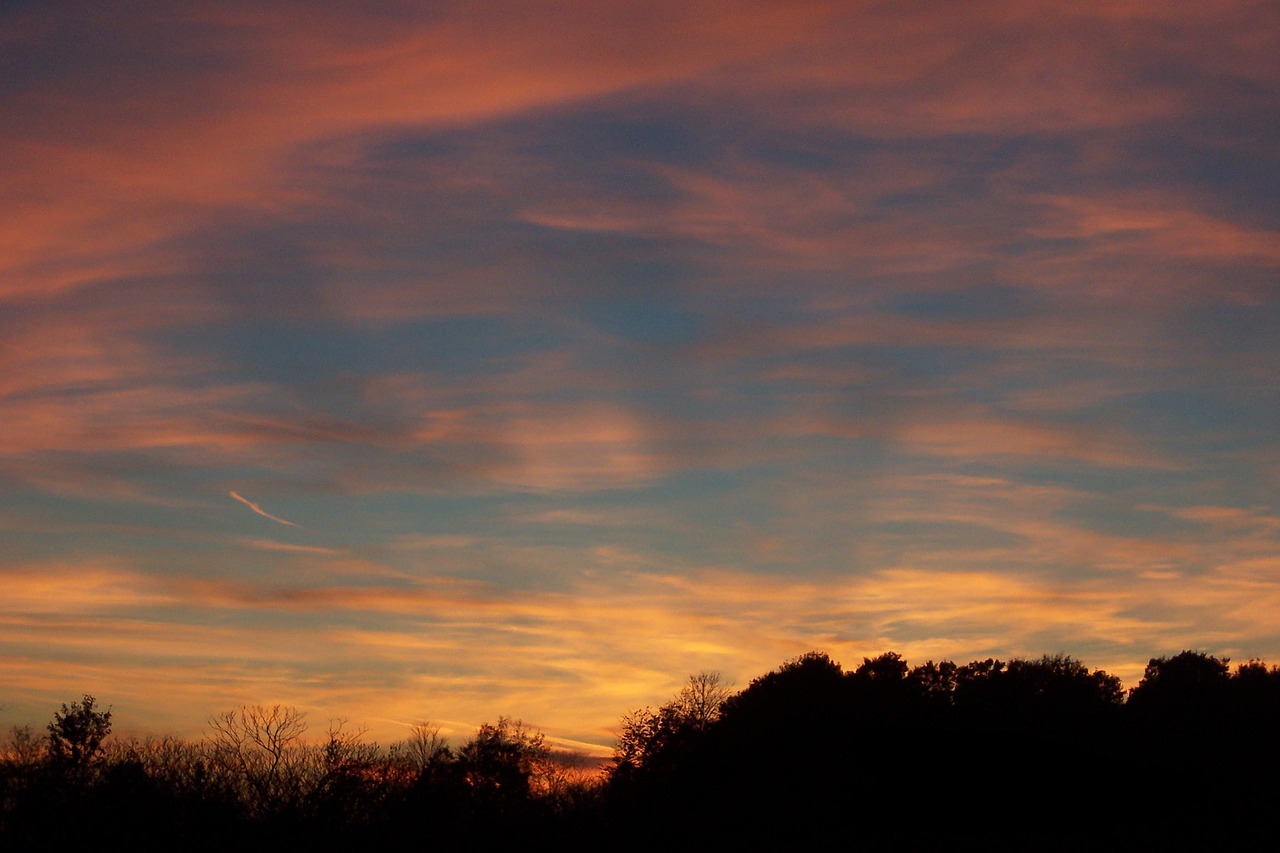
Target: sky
442, 361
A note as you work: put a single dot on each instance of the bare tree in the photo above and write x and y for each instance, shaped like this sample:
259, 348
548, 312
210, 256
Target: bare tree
181, 765
566, 776
425, 747
345, 778
262, 748
24, 748
344, 749
647, 735
699, 702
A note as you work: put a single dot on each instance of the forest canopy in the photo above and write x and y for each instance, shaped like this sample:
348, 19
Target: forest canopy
807, 751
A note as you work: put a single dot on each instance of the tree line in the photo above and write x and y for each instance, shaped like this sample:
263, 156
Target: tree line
1041, 753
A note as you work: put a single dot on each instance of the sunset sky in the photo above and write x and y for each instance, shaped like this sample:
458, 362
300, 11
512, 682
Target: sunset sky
441, 361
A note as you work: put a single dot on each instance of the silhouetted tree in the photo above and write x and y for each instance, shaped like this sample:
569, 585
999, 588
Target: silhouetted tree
500, 762
1254, 691
651, 739
934, 684
804, 691
260, 749
786, 745
24, 748
881, 695
1057, 690
1186, 685
348, 785
423, 749
989, 754
701, 699
190, 800
1185, 735
76, 733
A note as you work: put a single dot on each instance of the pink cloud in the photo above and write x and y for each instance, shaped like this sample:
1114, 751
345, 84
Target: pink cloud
147, 418
115, 183
259, 510
982, 434
552, 446
1157, 224
127, 179
115, 180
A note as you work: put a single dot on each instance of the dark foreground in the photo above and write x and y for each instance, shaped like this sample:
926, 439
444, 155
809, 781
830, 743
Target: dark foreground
1024, 755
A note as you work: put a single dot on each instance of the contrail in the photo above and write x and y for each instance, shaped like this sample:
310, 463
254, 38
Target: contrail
259, 510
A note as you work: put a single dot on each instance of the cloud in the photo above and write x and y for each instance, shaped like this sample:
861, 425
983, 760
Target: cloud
152, 124
986, 434
397, 647
70, 588
260, 511
268, 545
166, 152
628, 340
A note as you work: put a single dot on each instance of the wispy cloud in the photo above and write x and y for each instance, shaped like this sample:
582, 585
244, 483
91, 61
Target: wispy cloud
619, 341
268, 545
259, 510
608, 644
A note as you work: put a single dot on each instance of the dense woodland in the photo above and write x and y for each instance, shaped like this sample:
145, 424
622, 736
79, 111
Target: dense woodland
1024, 754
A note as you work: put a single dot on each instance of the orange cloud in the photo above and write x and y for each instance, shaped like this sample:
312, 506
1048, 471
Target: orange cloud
269, 545
129, 418
574, 661
77, 588
132, 190
1233, 518
553, 447
984, 435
